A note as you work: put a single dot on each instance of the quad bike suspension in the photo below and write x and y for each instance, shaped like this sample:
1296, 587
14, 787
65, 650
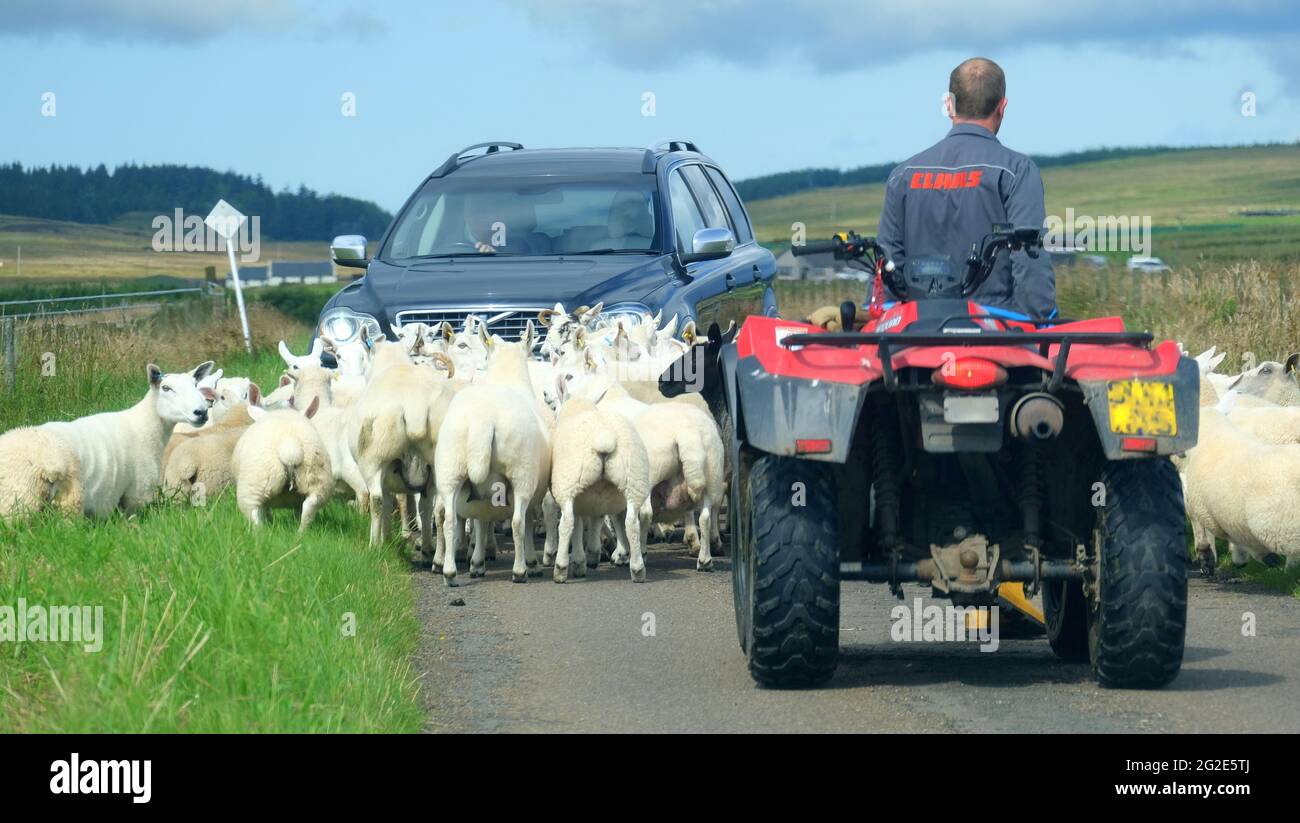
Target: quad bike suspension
1030, 493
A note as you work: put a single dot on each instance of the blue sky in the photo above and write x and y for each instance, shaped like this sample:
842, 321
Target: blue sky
256, 86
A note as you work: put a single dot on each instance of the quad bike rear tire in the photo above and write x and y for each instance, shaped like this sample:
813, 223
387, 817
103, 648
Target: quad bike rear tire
1065, 614
1137, 619
786, 573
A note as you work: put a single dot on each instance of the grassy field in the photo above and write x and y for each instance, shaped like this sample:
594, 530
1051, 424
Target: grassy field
1194, 200
208, 625
55, 250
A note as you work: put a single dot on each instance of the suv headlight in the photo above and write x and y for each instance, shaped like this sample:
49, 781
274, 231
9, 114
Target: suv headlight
636, 312
342, 325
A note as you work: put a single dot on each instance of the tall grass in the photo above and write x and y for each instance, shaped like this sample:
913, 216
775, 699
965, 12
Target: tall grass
209, 626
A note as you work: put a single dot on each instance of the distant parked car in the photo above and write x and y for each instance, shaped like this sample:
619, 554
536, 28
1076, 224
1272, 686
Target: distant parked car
1150, 265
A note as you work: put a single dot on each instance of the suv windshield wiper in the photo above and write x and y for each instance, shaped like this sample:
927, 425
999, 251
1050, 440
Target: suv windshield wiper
464, 254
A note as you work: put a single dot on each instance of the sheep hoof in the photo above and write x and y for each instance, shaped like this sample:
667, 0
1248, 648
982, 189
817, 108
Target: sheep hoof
518, 577
477, 571
619, 559
535, 570
491, 554
704, 565
548, 560
561, 574
451, 580
638, 575
593, 562
580, 570
437, 568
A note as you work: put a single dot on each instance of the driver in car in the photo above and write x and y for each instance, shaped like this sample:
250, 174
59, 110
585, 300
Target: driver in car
949, 196
493, 226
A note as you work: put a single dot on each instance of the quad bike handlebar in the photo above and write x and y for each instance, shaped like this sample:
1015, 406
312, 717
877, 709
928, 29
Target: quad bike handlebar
867, 253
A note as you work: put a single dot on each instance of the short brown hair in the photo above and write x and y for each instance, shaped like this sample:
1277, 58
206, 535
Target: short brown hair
977, 86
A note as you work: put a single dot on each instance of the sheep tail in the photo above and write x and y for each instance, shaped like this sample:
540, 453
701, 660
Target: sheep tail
603, 442
290, 452
415, 416
478, 449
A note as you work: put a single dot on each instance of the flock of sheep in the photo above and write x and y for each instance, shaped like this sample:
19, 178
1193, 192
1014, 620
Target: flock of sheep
458, 429
1242, 480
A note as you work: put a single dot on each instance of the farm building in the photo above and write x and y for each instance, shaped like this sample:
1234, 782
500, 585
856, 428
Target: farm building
286, 272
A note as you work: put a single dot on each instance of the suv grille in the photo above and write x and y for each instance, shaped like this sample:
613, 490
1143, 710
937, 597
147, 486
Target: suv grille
509, 324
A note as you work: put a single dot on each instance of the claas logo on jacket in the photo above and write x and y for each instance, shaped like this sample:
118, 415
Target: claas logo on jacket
946, 179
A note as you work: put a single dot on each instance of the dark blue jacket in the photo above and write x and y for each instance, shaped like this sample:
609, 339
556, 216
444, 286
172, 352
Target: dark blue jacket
949, 196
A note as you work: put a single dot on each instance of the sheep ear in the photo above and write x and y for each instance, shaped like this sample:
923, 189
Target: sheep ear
285, 354
447, 331
688, 333
254, 395
580, 337
596, 310
1292, 362
313, 408
317, 347
484, 336
285, 380
256, 412
327, 344
202, 369
208, 394
530, 336
588, 361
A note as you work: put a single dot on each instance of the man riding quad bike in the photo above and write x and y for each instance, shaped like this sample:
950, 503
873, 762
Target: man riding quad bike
939, 442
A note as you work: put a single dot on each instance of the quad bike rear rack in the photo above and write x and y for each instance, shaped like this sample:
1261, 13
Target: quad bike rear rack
889, 343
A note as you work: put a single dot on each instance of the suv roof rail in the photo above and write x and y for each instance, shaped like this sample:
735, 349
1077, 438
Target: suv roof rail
675, 145
454, 162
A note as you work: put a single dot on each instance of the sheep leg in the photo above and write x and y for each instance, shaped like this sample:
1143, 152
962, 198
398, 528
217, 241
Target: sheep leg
425, 513
704, 562
561, 572
376, 505
578, 545
551, 516
491, 528
619, 556
309, 508
629, 531
690, 535
1205, 552
477, 562
455, 529
440, 539
523, 540
408, 515
591, 531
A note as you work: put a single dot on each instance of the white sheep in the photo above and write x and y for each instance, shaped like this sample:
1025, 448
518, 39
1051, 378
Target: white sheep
280, 461
493, 456
121, 452
38, 470
599, 467
1272, 381
203, 460
1243, 491
392, 432
315, 384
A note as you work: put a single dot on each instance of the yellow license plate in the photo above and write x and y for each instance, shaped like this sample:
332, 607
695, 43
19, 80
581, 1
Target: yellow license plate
1142, 408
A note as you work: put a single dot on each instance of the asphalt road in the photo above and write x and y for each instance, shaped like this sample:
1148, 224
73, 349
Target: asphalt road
575, 658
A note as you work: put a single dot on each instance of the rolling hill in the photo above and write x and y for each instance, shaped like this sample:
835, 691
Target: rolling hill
1196, 201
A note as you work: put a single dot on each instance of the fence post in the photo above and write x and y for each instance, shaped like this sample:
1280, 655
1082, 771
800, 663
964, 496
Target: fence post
9, 342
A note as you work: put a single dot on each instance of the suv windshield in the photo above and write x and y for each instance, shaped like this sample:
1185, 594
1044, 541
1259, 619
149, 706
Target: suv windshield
472, 215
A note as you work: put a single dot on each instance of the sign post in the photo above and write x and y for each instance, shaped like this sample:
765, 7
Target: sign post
225, 220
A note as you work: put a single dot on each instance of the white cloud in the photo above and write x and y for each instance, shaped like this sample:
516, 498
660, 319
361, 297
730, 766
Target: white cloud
174, 21
835, 35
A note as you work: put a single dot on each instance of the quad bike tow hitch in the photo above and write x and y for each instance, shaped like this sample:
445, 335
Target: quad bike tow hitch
968, 567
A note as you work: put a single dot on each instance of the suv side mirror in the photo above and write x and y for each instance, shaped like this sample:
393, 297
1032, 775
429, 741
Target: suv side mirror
349, 250
709, 244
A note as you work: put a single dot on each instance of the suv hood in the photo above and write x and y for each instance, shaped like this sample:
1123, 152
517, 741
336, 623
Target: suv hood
519, 281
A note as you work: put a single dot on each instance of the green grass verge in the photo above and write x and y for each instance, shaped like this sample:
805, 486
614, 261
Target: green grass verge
208, 625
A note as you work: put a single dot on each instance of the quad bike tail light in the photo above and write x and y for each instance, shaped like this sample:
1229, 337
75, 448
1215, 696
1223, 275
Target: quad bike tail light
969, 373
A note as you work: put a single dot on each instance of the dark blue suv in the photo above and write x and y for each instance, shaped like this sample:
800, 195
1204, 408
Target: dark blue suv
504, 232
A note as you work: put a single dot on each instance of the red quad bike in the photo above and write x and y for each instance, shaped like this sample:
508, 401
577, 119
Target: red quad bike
960, 447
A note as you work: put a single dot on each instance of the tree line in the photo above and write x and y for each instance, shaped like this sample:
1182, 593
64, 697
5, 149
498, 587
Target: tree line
97, 195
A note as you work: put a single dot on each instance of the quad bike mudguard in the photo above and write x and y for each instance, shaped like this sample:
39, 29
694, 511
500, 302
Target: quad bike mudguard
794, 395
